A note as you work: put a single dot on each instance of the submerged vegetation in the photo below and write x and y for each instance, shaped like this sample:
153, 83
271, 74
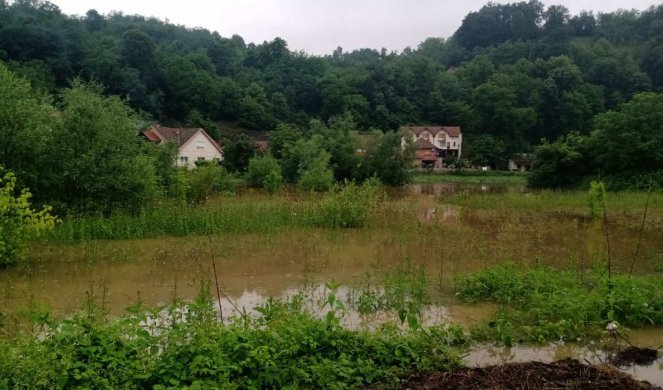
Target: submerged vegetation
544, 304
186, 345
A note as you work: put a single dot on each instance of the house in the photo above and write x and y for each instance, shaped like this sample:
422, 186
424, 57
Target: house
521, 162
433, 144
193, 144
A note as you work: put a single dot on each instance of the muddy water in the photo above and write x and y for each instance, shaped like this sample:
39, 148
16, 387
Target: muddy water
595, 353
444, 239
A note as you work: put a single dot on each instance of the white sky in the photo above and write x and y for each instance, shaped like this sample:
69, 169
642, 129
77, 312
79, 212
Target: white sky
319, 26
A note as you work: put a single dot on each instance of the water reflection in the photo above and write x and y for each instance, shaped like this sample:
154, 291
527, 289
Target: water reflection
593, 353
444, 189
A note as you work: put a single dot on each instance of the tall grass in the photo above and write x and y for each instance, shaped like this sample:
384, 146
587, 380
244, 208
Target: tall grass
182, 220
348, 206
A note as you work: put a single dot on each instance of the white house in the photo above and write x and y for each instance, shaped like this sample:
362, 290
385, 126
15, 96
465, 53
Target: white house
434, 143
193, 144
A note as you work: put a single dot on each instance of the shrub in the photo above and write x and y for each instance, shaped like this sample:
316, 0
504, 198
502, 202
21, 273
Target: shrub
348, 206
18, 222
206, 181
317, 177
263, 170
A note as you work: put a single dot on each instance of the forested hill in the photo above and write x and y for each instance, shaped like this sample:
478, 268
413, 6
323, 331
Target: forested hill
512, 73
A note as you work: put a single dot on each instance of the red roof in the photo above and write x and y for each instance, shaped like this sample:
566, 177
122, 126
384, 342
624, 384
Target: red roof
425, 155
178, 134
181, 135
424, 144
452, 131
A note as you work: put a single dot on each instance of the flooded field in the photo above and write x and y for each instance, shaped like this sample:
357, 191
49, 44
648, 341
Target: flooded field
441, 232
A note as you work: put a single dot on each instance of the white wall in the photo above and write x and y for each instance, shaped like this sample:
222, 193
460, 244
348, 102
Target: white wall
197, 147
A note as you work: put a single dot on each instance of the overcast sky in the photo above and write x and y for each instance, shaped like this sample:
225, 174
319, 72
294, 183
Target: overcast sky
319, 26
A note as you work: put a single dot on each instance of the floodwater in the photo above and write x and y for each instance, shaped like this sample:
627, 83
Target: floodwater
596, 352
444, 239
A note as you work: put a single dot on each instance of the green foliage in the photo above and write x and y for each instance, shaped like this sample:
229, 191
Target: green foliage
281, 138
205, 181
18, 221
196, 119
386, 160
186, 346
561, 163
317, 176
264, 172
487, 150
237, 151
625, 147
272, 181
349, 205
596, 199
542, 304
630, 139
25, 123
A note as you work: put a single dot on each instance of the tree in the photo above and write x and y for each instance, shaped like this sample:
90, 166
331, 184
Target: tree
386, 160
18, 221
317, 177
486, 149
631, 138
237, 151
25, 129
264, 172
99, 160
281, 137
562, 163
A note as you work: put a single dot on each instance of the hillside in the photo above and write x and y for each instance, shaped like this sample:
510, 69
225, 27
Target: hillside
512, 73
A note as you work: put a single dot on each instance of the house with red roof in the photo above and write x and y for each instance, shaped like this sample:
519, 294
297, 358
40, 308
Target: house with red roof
193, 144
434, 144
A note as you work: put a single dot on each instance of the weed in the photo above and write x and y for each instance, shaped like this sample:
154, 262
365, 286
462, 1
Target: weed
283, 347
545, 304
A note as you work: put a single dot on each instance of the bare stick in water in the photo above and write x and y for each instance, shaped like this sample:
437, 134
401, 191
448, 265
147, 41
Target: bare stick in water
642, 227
216, 279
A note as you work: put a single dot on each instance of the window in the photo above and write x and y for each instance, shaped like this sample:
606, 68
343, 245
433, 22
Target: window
201, 158
200, 145
448, 145
454, 144
426, 136
184, 159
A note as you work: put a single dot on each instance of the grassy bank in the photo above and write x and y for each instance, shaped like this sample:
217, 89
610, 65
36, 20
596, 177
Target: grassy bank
472, 177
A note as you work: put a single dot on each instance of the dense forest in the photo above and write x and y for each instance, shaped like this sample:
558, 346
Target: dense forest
511, 75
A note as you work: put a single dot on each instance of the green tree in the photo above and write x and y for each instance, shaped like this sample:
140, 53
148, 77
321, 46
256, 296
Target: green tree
486, 149
18, 221
386, 160
561, 163
264, 171
99, 160
281, 137
631, 138
26, 120
317, 176
237, 151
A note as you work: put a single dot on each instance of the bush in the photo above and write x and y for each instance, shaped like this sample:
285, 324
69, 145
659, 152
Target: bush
18, 222
317, 177
206, 181
264, 172
187, 347
349, 206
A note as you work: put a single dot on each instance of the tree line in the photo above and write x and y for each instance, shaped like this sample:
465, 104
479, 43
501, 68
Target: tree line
510, 75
